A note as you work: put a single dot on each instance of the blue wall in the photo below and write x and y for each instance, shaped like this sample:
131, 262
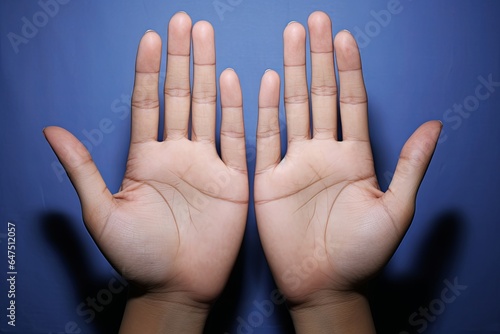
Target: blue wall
428, 60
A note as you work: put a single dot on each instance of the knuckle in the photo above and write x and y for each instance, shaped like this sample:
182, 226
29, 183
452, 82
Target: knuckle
353, 99
324, 90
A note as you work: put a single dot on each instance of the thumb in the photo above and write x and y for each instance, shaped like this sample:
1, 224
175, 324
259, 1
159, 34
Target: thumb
410, 170
95, 197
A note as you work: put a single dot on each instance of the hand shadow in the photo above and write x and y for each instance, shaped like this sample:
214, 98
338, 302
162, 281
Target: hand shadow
394, 300
100, 301
249, 266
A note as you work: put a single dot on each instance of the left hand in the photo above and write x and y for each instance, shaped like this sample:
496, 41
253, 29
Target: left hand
325, 225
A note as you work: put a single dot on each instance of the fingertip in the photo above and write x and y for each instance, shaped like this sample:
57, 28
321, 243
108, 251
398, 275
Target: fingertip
320, 32
203, 29
149, 53
318, 19
52, 131
270, 76
294, 40
46, 133
230, 89
203, 43
428, 135
347, 51
294, 30
269, 89
44, 129
179, 34
180, 23
293, 35
435, 127
437, 124
345, 40
180, 19
150, 36
229, 76
429, 130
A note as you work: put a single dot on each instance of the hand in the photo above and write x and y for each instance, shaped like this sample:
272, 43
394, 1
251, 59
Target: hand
325, 225
175, 227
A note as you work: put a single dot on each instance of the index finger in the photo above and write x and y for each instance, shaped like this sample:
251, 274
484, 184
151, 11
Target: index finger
145, 102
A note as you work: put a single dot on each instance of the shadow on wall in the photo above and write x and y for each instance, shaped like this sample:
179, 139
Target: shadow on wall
412, 304
224, 311
393, 300
225, 319
100, 302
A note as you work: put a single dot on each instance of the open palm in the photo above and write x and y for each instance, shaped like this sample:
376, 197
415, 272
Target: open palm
324, 223
176, 225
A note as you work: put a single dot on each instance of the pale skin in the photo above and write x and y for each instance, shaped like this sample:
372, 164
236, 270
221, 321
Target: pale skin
175, 227
325, 225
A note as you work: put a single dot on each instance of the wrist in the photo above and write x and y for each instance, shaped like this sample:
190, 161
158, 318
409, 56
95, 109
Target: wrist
163, 313
333, 312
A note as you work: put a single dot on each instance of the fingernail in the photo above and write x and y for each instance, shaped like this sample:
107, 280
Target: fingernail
347, 31
181, 12
291, 23
267, 70
230, 69
149, 30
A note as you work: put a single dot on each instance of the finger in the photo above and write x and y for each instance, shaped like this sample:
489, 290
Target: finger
268, 127
232, 132
412, 165
177, 85
204, 86
95, 198
145, 104
296, 94
323, 81
353, 101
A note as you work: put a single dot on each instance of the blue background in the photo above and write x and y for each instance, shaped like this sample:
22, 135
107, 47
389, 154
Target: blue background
77, 69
